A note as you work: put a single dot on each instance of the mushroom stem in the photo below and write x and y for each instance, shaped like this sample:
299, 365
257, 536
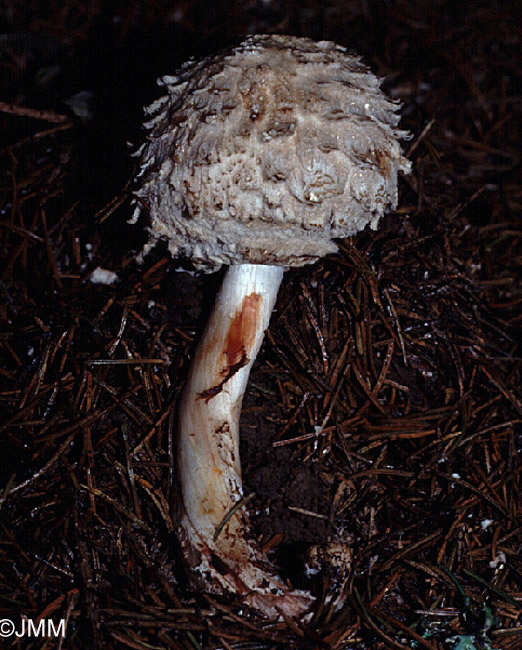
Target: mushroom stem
221, 552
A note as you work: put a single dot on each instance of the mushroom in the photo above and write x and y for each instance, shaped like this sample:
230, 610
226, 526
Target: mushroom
256, 158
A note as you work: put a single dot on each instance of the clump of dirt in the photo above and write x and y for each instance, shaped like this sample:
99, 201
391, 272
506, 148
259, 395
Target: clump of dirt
292, 499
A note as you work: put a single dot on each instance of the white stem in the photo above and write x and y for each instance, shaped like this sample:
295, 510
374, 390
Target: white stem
209, 468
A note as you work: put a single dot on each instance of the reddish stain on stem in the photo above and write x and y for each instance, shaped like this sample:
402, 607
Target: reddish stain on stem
242, 331
240, 338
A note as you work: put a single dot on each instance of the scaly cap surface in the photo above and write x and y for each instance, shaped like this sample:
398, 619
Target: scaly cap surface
263, 153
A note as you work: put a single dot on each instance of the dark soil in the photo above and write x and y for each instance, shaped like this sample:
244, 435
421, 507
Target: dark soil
277, 479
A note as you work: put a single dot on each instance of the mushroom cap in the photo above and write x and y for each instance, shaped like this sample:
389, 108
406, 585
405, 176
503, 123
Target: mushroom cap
263, 153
